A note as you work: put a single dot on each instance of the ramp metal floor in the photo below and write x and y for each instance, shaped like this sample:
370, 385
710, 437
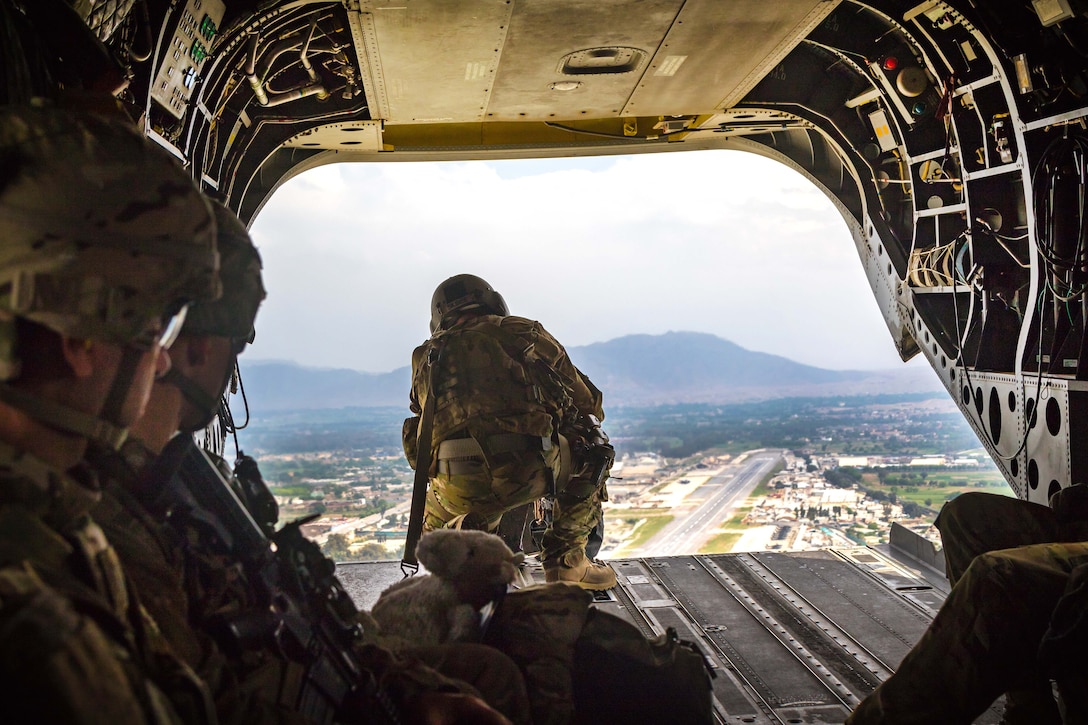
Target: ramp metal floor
793, 637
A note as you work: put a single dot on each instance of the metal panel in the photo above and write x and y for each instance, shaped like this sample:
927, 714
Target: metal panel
434, 59
542, 34
717, 51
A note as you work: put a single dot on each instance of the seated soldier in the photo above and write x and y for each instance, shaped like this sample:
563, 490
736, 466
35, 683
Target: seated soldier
103, 239
186, 560
1011, 563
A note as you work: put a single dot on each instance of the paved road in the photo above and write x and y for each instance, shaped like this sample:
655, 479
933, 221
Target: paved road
693, 526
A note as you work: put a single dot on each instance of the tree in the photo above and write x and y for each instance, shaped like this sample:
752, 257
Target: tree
336, 547
372, 551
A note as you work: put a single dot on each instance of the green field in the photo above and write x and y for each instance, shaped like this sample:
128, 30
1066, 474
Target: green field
643, 532
932, 487
722, 543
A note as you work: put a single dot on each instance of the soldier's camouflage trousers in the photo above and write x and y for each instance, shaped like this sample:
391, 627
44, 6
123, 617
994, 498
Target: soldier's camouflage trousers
985, 638
514, 480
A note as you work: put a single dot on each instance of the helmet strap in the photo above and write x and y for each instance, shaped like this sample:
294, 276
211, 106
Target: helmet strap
196, 395
122, 383
62, 418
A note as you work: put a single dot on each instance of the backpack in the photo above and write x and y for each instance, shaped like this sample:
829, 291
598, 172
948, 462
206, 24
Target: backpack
584, 665
621, 676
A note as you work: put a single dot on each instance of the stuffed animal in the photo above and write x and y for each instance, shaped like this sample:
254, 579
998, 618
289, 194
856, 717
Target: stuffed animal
467, 569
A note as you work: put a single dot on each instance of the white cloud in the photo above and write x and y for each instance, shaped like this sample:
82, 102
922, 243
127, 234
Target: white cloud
721, 242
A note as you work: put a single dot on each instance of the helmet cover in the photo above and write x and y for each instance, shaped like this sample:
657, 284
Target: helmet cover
100, 230
233, 314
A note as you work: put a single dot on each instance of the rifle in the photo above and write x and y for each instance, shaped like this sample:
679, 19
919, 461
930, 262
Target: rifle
303, 612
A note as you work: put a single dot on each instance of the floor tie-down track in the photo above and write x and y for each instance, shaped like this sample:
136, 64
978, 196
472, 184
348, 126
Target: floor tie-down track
793, 638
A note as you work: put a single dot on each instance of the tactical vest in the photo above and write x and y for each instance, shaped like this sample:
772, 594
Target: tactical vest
489, 380
57, 564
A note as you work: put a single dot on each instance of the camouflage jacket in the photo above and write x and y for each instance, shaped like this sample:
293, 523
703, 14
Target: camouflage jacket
496, 374
194, 587
67, 611
187, 586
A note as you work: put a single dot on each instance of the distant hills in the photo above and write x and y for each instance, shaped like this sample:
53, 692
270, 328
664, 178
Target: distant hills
676, 367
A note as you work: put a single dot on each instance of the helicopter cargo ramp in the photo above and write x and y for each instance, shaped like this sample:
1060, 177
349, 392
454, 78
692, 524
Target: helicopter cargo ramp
795, 637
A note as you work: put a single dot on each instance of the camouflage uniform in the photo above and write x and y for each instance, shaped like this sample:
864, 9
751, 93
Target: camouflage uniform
185, 588
1010, 563
74, 643
102, 236
500, 379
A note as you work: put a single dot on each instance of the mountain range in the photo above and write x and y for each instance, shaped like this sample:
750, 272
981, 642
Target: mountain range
676, 367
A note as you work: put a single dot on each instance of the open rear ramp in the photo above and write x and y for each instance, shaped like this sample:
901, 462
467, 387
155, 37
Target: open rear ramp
793, 637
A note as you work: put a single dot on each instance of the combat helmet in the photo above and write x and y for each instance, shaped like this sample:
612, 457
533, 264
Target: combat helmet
233, 314
101, 234
461, 293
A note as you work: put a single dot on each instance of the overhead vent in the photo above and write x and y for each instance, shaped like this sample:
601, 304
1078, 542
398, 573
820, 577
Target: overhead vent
601, 61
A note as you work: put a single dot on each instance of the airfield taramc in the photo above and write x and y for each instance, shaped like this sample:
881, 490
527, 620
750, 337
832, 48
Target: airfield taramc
950, 135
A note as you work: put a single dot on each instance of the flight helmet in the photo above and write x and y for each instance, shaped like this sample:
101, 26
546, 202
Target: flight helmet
461, 293
101, 234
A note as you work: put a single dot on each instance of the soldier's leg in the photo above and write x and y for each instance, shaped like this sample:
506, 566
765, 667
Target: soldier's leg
974, 523
982, 642
572, 521
563, 548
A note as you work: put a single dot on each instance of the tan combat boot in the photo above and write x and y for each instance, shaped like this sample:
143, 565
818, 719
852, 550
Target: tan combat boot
586, 573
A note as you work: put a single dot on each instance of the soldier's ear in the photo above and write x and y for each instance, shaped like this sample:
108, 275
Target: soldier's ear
80, 355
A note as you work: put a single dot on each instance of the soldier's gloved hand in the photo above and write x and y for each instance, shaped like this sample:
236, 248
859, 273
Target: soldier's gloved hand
451, 708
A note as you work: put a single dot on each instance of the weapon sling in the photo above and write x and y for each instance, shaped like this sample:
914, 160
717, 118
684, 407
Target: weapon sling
409, 564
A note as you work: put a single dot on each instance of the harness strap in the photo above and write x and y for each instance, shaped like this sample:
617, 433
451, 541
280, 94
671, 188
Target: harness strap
497, 444
63, 418
192, 392
409, 564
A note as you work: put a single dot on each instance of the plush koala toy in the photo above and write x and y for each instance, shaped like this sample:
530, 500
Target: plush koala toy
467, 569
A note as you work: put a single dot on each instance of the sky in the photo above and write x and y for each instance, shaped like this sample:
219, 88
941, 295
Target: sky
722, 242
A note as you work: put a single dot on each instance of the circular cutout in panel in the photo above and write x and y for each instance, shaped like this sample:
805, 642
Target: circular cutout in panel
944, 361
1014, 467
927, 335
1012, 402
978, 401
1053, 416
889, 270
952, 373
994, 406
1029, 412
966, 395
934, 349
1053, 489
1033, 474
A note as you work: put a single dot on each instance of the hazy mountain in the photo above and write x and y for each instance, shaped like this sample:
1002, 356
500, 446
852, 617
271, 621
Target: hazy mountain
692, 367
290, 386
677, 367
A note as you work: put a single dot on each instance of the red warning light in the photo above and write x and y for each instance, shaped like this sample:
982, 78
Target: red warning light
891, 63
